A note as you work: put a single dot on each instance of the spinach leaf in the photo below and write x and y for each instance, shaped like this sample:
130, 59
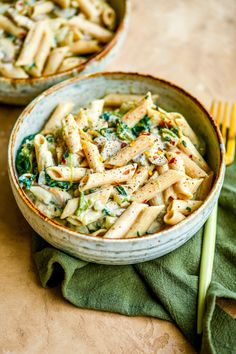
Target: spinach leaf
124, 132
26, 180
121, 190
25, 158
143, 125
52, 183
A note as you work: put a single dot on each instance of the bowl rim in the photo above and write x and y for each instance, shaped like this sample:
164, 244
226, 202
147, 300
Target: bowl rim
77, 69
13, 174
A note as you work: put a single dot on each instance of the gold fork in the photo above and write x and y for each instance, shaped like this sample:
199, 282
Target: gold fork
222, 116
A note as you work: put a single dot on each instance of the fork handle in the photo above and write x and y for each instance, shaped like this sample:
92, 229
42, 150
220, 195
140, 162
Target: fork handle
208, 250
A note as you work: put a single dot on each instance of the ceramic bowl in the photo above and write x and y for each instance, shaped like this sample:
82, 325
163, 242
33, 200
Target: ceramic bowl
22, 91
81, 91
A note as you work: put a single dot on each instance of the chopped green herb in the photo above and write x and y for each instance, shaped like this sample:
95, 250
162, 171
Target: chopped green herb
143, 125
184, 143
25, 158
124, 132
50, 138
121, 190
66, 154
106, 211
166, 131
26, 180
189, 209
106, 116
83, 204
138, 234
60, 184
175, 130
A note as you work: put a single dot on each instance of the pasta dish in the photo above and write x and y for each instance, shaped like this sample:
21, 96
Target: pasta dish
121, 167
40, 38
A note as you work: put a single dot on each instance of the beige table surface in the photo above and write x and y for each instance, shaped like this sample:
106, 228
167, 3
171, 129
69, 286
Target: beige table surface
190, 42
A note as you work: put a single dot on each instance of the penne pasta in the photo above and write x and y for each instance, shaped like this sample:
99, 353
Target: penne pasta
55, 121
83, 47
11, 71
71, 133
93, 156
93, 29
117, 175
43, 155
125, 221
184, 207
55, 60
144, 221
133, 116
31, 45
173, 217
205, 186
41, 8
66, 174
89, 9
43, 53
159, 184
191, 168
135, 148
189, 149
8, 26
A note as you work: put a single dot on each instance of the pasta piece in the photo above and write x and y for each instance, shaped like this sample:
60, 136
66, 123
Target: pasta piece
173, 217
20, 20
184, 207
93, 156
135, 148
189, 149
43, 155
144, 221
205, 187
89, 9
8, 26
132, 117
168, 194
138, 179
31, 44
71, 133
70, 63
125, 221
157, 200
159, 184
191, 168
114, 176
193, 183
181, 189
55, 121
83, 47
185, 128
62, 3
66, 174
109, 17
55, 60
41, 8
12, 72
43, 52
93, 29
72, 205
42, 194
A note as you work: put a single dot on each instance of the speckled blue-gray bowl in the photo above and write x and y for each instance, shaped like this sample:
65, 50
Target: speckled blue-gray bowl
81, 91
22, 91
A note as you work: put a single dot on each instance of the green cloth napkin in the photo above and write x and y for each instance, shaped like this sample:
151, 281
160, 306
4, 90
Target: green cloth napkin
166, 288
